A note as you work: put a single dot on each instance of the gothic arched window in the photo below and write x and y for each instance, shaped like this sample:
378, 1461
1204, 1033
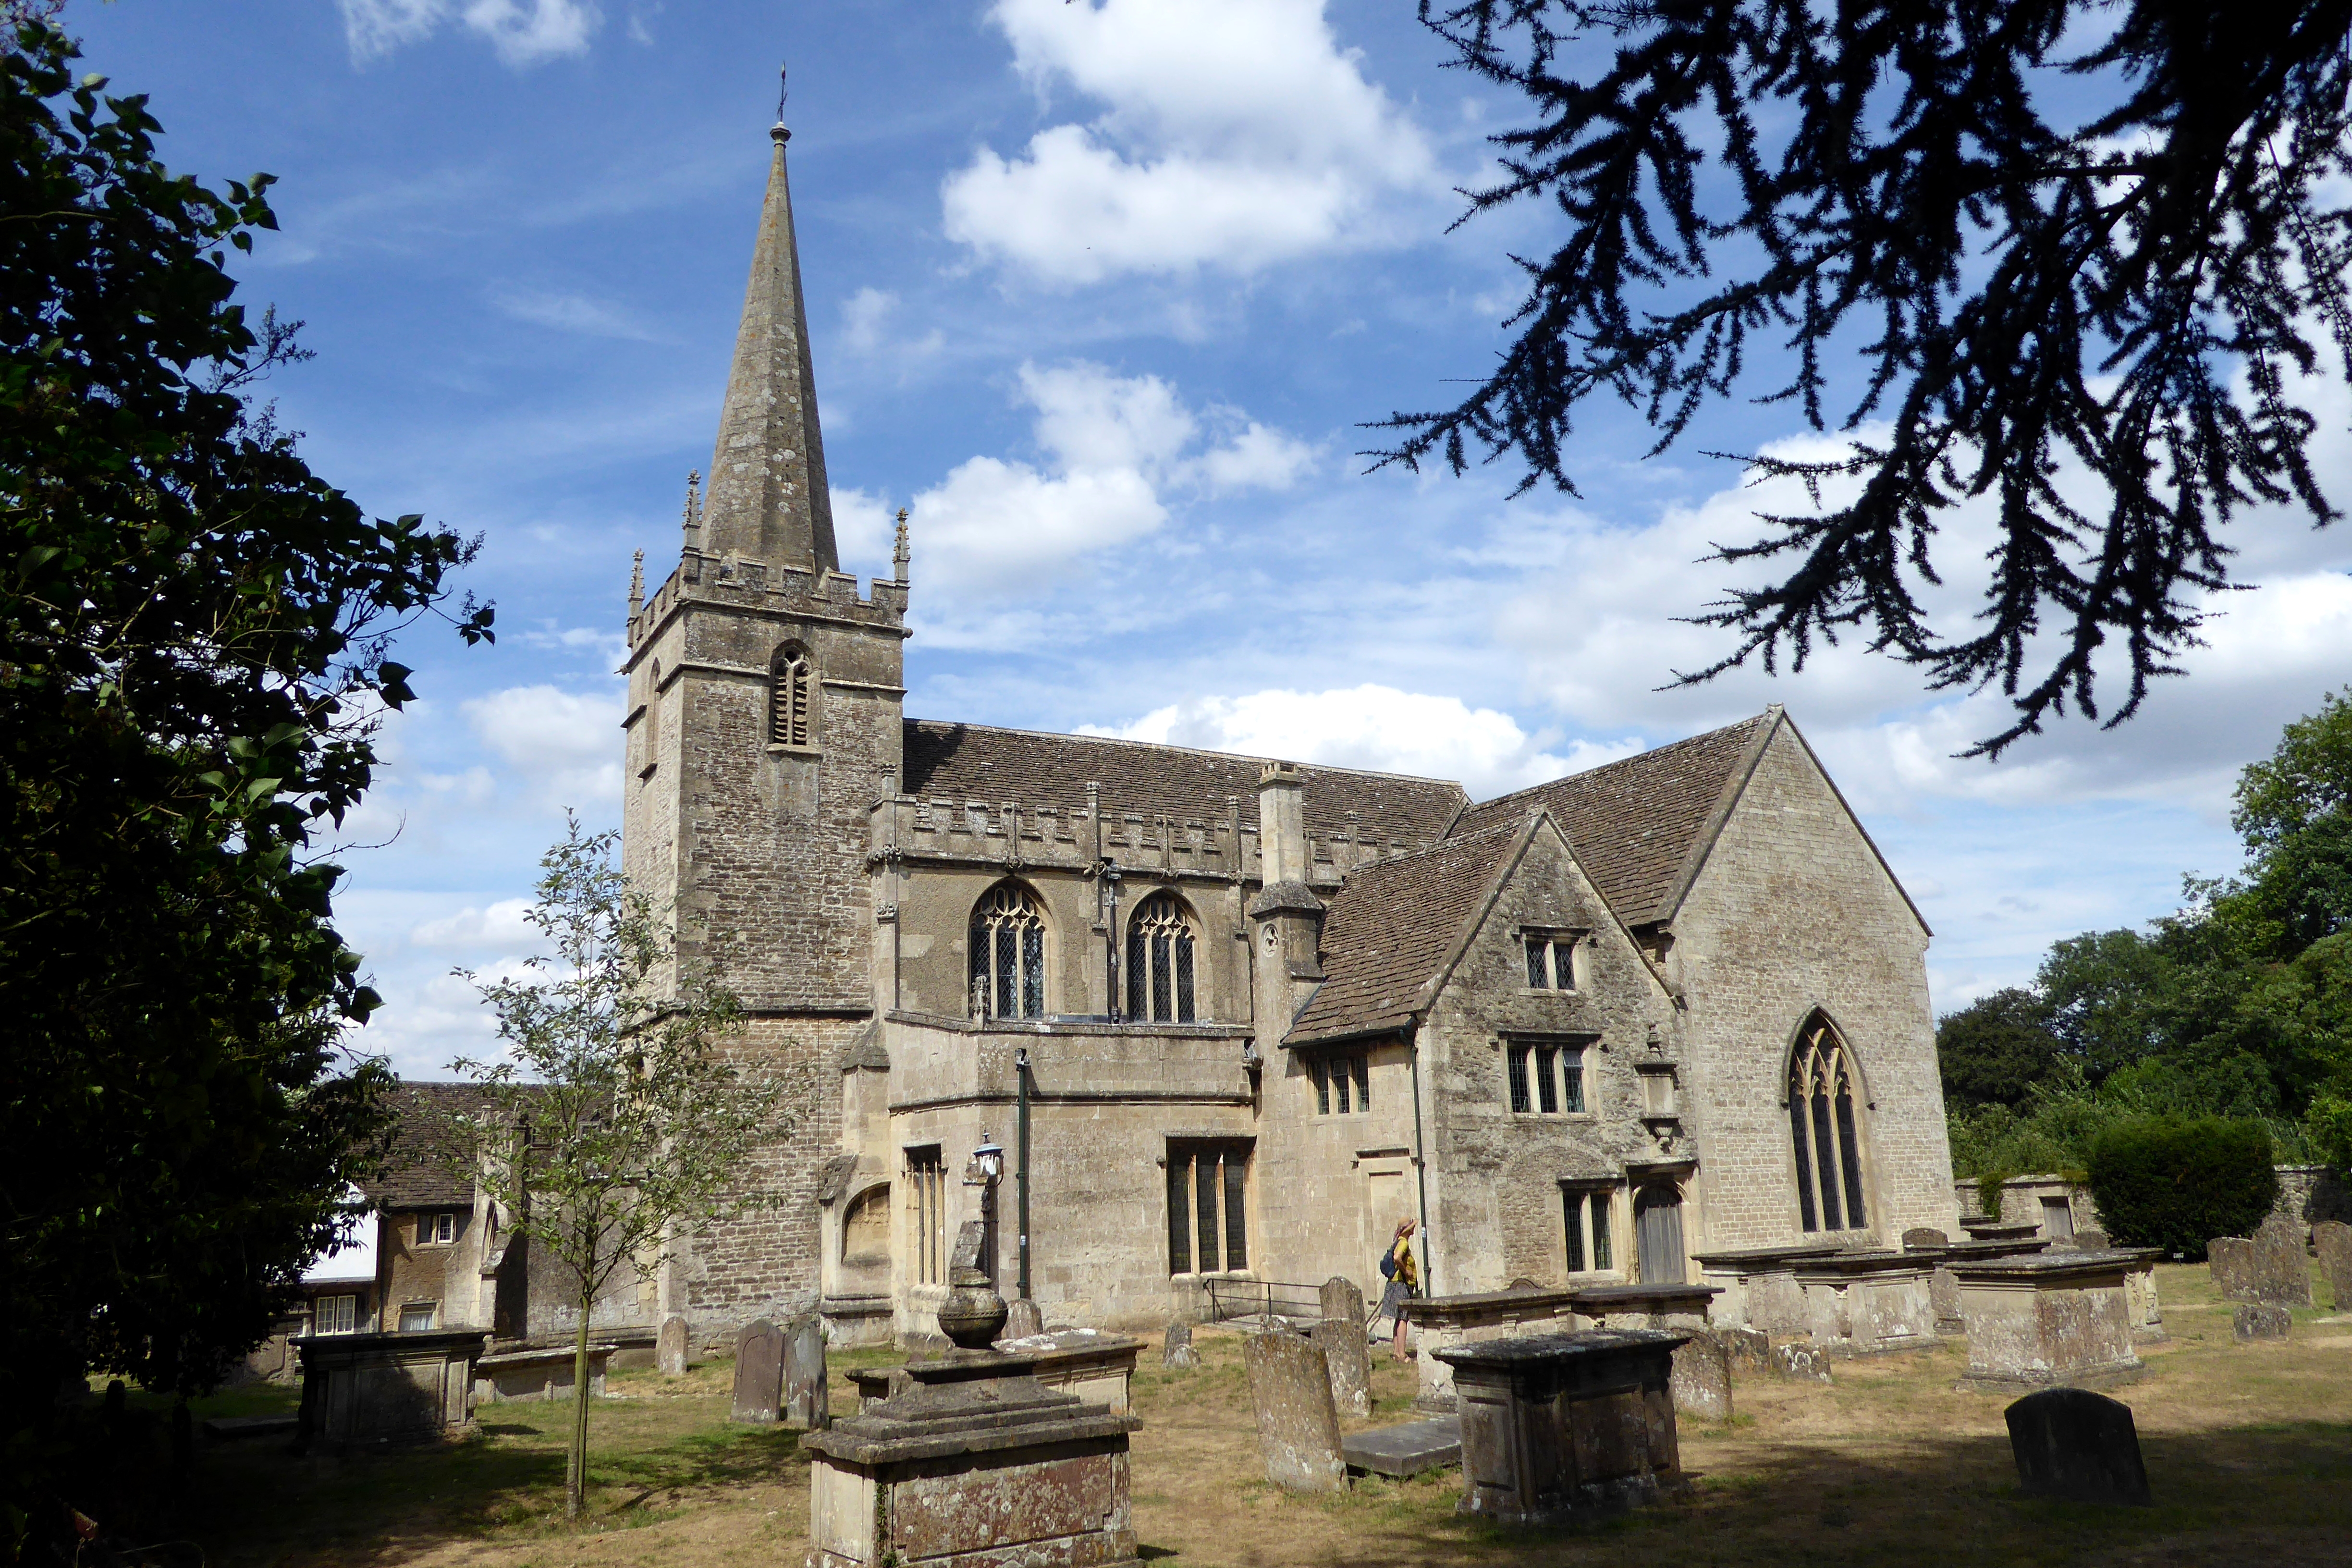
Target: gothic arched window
789, 680
1825, 1131
1008, 954
1160, 962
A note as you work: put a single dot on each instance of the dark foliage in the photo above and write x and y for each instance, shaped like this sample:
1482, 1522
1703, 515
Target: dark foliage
193, 629
1993, 1052
2179, 1184
2054, 232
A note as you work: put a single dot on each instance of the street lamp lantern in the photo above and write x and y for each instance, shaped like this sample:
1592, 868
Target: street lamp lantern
987, 1164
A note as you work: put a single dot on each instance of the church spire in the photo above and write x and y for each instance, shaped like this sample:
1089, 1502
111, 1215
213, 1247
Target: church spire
767, 499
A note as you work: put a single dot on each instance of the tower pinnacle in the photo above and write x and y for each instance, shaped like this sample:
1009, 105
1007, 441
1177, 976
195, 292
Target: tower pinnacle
767, 499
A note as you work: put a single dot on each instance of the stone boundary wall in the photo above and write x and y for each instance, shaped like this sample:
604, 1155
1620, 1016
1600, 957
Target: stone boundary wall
2307, 1194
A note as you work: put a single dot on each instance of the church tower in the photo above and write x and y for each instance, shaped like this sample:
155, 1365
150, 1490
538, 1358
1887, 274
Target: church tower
764, 721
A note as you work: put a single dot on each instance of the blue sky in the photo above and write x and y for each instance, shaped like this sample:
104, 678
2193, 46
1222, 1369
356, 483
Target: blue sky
1102, 290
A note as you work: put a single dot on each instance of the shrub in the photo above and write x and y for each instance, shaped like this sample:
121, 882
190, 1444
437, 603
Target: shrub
2176, 1183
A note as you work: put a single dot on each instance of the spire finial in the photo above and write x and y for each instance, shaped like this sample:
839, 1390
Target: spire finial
899, 553
783, 96
636, 585
692, 521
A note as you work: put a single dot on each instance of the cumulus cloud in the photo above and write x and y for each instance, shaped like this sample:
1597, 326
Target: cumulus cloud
564, 745
1375, 727
1235, 133
1118, 452
499, 927
523, 32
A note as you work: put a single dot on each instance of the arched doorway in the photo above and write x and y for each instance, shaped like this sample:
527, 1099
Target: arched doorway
1658, 1233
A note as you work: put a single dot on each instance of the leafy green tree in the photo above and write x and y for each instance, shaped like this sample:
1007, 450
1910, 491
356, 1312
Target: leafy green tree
193, 638
1994, 1050
637, 1124
2078, 262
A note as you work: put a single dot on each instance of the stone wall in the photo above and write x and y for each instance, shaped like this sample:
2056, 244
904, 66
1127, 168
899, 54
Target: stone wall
2307, 1194
1793, 911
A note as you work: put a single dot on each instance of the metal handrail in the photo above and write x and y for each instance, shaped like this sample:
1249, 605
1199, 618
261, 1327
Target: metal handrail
1230, 1298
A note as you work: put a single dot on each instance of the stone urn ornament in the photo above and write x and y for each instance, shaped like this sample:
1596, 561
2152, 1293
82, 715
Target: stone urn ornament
973, 1314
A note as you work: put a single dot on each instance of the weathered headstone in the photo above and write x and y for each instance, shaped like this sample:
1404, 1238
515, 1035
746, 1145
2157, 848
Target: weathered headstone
1701, 1382
759, 1371
2260, 1320
1349, 1359
1921, 1236
2092, 1240
2077, 1447
2332, 1237
1943, 1301
1747, 1350
1804, 1363
1342, 1301
808, 1405
1297, 1425
1177, 1350
2231, 1259
1022, 1319
670, 1347
2283, 1262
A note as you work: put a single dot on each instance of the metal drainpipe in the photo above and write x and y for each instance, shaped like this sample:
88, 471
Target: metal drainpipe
1021, 1067
1420, 1166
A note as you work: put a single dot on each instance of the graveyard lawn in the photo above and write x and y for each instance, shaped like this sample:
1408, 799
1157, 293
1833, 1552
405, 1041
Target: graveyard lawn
2248, 1447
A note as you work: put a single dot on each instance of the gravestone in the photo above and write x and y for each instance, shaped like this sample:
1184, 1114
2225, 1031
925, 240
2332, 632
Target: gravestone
1177, 1350
1747, 1349
759, 1371
2334, 1239
670, 1347
1342, 1301
2281, 1262
808, 1406
1022, 1319
1920, 1237
1701, 1381
2077, 1447
2260, 1320
1297, 1425
2231, 1259
1804, 1363
2091, 1240
1349, 1359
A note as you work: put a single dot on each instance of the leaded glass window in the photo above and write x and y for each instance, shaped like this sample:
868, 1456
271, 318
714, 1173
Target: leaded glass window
1825, 1132
1160, 962
1008, 954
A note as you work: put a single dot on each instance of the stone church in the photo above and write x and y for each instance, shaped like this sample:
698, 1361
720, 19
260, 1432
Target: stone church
1250, 1012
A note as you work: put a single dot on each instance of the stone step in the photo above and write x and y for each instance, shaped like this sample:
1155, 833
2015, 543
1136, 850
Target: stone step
1405, 1450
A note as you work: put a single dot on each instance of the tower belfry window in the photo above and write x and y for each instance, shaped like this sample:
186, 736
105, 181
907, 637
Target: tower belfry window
1159, 970
791, 679
1008, 954
1825, 1132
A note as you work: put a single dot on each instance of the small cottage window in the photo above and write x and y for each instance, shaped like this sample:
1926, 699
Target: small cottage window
436, 1229
1551, 960
790, 694
1586, 1212
1008, 954
1824, 1131
335, 1315
418, 1317
1345, 1081
1160, 948
1546, 1077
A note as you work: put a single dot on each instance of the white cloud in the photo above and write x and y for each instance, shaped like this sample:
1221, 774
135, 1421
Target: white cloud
565, 746
1375, 727
523, 32
572, 314
500, 928
1236, 133
1118, 451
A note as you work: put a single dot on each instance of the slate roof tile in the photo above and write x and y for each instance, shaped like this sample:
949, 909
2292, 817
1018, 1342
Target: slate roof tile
414, 1176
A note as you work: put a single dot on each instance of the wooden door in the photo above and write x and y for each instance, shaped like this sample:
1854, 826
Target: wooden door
1658, 1234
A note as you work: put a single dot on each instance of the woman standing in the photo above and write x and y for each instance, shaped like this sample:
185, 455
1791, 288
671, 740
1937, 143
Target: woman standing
1397, 1267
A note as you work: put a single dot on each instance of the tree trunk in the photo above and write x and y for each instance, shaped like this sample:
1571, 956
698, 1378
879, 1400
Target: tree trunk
576, 1468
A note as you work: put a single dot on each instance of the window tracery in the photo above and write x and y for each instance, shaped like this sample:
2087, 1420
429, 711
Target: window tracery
1008, 954
1160, 962
1825, 1131
790, 692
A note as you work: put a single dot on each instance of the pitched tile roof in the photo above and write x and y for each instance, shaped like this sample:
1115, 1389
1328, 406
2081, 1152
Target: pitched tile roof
1389, 927
1634, 824
413, 1175
976, 761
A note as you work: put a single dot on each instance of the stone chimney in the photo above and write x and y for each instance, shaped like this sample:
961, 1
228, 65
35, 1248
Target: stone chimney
1285, 917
